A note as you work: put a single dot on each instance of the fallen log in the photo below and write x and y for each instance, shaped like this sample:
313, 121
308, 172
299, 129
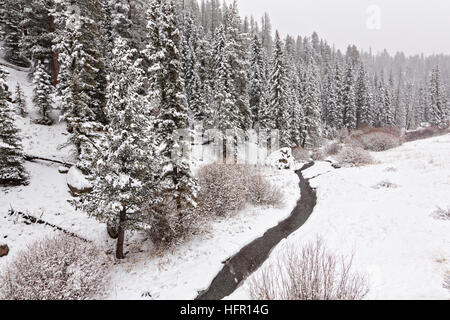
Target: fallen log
33, 220
32, 158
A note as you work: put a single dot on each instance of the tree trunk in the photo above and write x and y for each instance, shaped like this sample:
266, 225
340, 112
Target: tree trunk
55, 66
121, 235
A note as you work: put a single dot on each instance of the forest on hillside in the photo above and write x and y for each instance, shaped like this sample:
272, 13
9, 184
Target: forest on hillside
125, 75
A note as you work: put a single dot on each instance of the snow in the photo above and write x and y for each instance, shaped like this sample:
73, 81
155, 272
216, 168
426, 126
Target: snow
396, 242
178, 274
190, 268
77, 180
391, 231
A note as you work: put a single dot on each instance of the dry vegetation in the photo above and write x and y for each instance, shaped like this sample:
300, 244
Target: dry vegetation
442, 214
310, 273
354, 156
376, 139
228, 188
59, 268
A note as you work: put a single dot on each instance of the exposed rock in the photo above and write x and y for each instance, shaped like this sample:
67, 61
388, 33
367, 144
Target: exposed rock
4, 250
281, 159
63, 170
77, 181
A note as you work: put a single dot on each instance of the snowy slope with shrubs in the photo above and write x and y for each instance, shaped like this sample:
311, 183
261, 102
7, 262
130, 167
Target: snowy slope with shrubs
147, 273
387, 215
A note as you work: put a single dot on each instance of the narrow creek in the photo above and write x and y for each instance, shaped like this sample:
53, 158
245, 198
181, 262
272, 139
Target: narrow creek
252, 256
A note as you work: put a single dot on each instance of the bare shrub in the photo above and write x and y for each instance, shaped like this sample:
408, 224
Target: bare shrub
393, 131
310, 273
447, 281
376, 139
385, 185
223, 188
333, 149
342, 135
380, 141
354, 156
226, 188
442, 214
428, 132
262, 192
318, 155
58, 268
300, 154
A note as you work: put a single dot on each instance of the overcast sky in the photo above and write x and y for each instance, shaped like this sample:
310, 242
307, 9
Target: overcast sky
412, 26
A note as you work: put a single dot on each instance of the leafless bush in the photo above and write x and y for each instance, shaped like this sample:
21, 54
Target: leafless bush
442, 214
262, 192
354, 156
318, 155
223, 188
300, 154
385, 185
447, 282
310, 273
227, 188
59, 268
333, 149
342, 135
376, 141
428, 132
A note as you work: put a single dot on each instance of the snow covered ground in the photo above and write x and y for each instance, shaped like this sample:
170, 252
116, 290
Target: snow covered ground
145, 274
383, 214
396, 241
190, 268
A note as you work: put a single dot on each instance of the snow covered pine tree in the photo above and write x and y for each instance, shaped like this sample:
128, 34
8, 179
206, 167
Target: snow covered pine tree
178, 187
12, 171
123, 167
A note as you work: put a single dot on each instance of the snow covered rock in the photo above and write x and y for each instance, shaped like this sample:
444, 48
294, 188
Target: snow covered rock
77, 181
4, 250
63, 170
281, 159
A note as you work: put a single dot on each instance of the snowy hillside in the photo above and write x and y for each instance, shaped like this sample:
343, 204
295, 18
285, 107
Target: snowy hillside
176, 149
146, 274
384, 214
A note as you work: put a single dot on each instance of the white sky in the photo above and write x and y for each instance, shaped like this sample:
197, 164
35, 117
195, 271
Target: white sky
411, 26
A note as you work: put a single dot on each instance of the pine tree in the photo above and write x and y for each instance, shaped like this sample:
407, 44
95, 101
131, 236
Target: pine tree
238, 61
42, 94
277, 114
333, 117
225, 115
311, 108
388, 110
12, 171
20, 102
296, 124
437, 107
335, 111
124, 168
203, 98
191, 68
348, 99
36, 43
177, 182
11, 14
363, 100
82, 77
258, 82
